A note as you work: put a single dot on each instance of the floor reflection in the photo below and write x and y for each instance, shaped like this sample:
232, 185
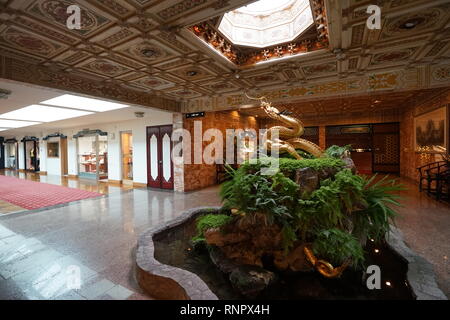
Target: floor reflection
97, 236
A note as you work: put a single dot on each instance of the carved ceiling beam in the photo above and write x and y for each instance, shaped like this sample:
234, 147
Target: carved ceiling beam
16, 70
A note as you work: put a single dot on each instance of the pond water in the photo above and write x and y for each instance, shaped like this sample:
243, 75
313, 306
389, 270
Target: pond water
172, 247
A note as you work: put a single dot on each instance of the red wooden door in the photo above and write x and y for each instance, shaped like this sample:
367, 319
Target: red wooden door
159, 157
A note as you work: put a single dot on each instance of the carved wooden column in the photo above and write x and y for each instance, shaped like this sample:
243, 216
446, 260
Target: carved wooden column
322, 137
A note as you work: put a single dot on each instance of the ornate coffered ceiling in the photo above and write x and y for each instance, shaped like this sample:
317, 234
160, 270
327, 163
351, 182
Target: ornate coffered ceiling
144, 52
351, 107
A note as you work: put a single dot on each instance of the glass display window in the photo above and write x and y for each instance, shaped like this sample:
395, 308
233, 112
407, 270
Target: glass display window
92, 156
31, 149
11, 155
102, 157
127, 156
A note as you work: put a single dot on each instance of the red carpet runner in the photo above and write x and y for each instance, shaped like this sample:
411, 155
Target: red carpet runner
34, 195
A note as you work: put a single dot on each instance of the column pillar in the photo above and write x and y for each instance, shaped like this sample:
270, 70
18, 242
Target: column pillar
322, 137
178, 169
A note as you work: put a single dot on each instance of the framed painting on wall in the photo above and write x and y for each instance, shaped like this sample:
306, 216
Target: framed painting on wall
431, 131
53, 149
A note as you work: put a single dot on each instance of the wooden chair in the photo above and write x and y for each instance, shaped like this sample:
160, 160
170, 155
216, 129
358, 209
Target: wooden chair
443, 185
425, 170
435, 174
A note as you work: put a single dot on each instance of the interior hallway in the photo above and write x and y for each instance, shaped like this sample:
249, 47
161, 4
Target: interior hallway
100, 235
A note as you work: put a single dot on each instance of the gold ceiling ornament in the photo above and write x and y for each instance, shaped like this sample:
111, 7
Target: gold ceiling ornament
288, 139
323, 267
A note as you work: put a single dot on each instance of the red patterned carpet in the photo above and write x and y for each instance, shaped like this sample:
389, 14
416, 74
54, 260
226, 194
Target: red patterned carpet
34, 195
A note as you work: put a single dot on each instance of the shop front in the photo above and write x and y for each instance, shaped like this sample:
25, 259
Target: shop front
31, 153
56, 154
11, 154
92, 151
126, 139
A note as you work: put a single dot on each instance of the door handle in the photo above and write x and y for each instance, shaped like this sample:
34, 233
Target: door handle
160, 162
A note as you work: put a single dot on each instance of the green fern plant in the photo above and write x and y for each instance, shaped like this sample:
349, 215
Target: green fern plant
338, 247
337, 151
381, 197
209, 221
323, 216
331, 204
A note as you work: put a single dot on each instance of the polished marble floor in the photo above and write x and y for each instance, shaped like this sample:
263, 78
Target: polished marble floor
425, 224
83, 184
40, 251
96, 238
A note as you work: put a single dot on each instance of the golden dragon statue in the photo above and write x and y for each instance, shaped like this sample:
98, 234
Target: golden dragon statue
288, 139
324, 267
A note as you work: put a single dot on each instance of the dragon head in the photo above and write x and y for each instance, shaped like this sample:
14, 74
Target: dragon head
269, 109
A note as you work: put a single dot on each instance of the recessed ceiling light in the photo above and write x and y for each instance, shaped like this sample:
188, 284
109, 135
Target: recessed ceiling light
10, 124
77, 102
192, 73
411, 23
149, 53
43, 113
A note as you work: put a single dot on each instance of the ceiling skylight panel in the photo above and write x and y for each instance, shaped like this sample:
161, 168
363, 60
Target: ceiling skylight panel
11, 124
82, 103
43, 114
267, 22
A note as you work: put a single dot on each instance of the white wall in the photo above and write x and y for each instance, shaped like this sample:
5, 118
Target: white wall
21, 154
42, 155
51, 165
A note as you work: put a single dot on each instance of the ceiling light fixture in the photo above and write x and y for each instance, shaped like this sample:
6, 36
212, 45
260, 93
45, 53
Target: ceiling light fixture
411, 23
82, 103
247, 106
43, 114
149, 53
11, 124
191, 73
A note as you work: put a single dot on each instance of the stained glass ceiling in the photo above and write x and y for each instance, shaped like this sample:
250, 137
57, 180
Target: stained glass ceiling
266, 23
